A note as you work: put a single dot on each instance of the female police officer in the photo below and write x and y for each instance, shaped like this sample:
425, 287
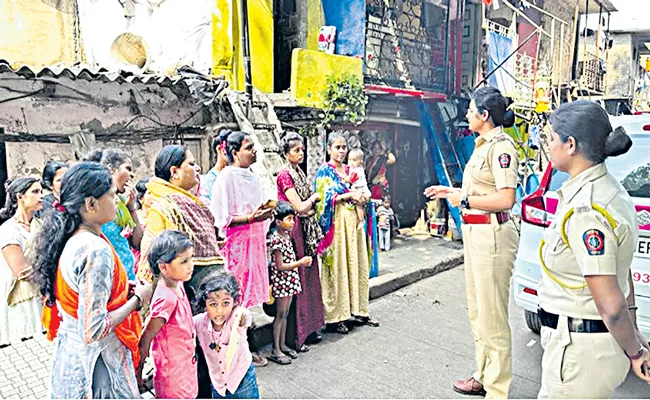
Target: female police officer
489, 238
588, 334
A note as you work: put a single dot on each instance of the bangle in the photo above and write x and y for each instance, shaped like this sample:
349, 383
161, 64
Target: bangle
139, 307
638, 355
633, 307
250, 218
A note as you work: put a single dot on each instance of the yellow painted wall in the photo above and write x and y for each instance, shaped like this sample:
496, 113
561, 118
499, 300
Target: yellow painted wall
227, 52
315, 19
36, 34
309, 72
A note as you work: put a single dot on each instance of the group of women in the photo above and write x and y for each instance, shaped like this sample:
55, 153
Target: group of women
74, 260
73, 249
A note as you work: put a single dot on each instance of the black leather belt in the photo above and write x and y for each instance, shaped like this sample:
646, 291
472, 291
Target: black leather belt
575, 324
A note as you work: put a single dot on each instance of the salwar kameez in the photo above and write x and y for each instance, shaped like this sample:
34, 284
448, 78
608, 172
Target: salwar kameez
345, 274
345, 250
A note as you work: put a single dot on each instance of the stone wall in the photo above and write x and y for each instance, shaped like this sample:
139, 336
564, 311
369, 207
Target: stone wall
55, 111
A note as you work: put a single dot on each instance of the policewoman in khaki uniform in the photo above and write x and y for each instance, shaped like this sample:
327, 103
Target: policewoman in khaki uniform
588, 334
490, 240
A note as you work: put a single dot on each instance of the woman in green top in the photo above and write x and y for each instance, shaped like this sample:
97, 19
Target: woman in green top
125, 232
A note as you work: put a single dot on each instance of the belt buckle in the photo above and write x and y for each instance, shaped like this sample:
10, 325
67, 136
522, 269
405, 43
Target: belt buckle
576, 325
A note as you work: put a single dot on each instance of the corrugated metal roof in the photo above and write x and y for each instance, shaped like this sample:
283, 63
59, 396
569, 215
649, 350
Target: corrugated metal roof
87, 72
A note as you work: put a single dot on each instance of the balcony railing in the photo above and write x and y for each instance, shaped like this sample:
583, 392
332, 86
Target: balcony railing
406, 43
591, 71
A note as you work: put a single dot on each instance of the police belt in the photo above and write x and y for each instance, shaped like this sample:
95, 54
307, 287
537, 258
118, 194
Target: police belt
502, 217
577, 325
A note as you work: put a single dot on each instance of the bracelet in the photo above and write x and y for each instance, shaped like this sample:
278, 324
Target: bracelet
139, 307
638, 355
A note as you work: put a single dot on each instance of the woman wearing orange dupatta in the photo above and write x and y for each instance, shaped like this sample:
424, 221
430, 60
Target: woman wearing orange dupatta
89, 313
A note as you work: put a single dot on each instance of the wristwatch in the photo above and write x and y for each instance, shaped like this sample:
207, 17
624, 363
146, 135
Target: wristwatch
464, 202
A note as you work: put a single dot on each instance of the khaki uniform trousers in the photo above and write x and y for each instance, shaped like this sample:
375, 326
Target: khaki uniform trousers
580, 365
489, 260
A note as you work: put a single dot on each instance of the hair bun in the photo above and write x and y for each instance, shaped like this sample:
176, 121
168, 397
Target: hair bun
508, 119
95, 156
618, 143
508, 101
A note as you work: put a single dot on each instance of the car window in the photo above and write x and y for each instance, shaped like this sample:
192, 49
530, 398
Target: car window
633, 168
557, 179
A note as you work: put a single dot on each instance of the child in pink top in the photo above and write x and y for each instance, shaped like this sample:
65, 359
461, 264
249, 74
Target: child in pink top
221, 331
169, 332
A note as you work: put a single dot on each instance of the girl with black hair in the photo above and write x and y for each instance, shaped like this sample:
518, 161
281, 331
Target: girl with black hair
176, 208
169, 333
52, 175
490, 239
19, 303
125, 232
90, 313
243, 219
586, 294
219, 148
144, 198
294, 187
285, 280
222, 333
242, 213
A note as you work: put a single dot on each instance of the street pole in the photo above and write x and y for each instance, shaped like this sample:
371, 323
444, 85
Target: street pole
246, 50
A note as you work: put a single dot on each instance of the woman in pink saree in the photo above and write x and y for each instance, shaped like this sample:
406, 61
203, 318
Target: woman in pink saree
239, 213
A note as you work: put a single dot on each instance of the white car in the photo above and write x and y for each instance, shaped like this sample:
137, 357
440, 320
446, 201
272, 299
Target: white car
538, 209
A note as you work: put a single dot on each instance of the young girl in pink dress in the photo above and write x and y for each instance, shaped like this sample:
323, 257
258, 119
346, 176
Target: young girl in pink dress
170, 333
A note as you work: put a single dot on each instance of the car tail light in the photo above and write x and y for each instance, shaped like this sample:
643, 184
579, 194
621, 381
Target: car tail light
530, 291
534, 207
646, 128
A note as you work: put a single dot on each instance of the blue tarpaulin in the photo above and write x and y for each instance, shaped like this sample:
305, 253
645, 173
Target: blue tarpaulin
500, 48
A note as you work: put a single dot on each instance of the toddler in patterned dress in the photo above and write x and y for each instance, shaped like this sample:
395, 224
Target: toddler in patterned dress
285, 281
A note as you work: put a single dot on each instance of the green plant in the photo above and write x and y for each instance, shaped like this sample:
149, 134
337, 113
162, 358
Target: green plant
344, 97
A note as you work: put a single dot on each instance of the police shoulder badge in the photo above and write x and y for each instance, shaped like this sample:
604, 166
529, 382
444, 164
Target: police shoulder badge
504, 160
594, 242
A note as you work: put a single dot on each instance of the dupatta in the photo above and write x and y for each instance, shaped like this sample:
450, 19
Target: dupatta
128, 331
330, 185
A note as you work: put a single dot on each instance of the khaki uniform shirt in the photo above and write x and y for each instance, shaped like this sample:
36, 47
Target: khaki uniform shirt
493, 165
595, 247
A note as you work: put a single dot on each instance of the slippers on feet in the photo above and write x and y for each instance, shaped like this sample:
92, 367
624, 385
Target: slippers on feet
342, 328
282, 360
291, 353
259, 362
304, 348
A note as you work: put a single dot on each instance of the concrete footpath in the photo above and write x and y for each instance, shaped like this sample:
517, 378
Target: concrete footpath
411, 259
24, 368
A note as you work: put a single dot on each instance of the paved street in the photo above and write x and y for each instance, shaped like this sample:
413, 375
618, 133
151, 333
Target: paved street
423, 344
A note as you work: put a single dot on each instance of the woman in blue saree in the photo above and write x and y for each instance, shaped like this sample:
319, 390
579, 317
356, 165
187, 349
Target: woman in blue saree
345, 250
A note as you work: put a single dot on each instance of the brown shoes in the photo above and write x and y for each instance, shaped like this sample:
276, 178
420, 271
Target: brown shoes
470, 387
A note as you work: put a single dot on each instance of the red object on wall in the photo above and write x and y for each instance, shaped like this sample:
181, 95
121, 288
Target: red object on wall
487, 2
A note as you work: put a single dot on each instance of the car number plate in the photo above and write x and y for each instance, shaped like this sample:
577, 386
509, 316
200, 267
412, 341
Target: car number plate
642, 248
